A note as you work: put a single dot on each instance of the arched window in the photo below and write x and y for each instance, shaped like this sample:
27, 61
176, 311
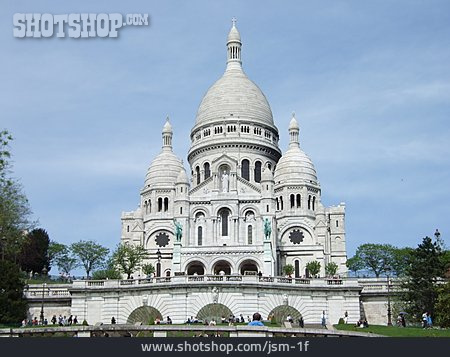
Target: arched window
314, 203
224, 214
299, 200
297, 269
309, 202
197, 172
278, 204
281, 202
158, 269
200, 235
149, 206
245, 169
166, 204
160, 204
258, 171
250, 234
181, 210
207, 170
292, 201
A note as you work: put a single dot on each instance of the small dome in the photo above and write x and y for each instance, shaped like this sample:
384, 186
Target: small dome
295, 167
234, 35
167, 128
293, 124
164, 170
267, 175
182, 177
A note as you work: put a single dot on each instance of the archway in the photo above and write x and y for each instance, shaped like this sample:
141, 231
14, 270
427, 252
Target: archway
195, 268
214, 311
144, 314
222, 267
281, 312
248, 267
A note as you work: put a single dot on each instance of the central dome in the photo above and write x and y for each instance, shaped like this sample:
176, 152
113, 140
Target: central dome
234, 95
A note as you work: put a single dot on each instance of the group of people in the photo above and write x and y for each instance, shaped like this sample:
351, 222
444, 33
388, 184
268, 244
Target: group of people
168, 321
61, 321
362, 323
426, 320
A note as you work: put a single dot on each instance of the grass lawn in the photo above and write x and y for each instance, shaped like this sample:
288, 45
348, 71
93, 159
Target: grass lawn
394, 331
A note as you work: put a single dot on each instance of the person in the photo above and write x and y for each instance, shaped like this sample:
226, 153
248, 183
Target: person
260, 274
113, 321
403, 320
53, 320
345, 317
429, 322
289, 319
45, 322
249, 319
324, 319
212, 323
157, 321
365, 323
424, 320
301, 323
169, 320
70, 320
225, 182
75, 320
256, 320
24, 322
242, 318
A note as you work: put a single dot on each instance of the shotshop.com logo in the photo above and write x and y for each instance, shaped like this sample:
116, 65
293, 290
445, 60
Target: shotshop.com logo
74, 25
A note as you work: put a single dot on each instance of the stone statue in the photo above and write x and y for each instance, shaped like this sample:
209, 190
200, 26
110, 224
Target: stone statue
178, 230
215, 295
267, 228
225, 181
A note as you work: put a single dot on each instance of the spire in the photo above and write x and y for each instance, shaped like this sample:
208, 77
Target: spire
294, 130
234, 45
167, 134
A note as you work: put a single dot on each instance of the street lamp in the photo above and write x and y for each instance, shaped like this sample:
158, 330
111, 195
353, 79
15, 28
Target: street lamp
44, 285
389, 315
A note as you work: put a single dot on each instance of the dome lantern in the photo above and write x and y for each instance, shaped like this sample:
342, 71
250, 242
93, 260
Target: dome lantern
167, 134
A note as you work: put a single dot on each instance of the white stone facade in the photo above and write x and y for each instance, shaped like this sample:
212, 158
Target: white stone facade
239, 179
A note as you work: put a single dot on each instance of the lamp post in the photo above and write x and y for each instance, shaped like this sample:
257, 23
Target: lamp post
44, 285
389, 315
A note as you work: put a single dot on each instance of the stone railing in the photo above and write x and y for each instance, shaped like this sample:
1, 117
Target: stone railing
37, 291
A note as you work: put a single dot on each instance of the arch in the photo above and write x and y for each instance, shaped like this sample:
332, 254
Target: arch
281, 203
297, 268
309, 202
213, 312
248, 265
160, 204
245, 169
200, 235
222, 265
166, 204
197, 173
195, 268
282, 311
144, 314
314, 203
278, 204
224, 214
299, 200
207, 170
158, 269
292, 197
257, 176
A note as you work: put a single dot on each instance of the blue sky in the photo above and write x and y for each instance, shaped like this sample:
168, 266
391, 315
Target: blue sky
369, 82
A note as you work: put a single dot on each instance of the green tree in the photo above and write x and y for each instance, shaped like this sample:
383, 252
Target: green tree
289, 269
442, 307
34, 254
400, 260
13, 305
62, 256
110, 272
313, 268
425, 267
354, 264
376, 258
331, 269
14, 207
90, 254
128, 258
55, 250
148, 269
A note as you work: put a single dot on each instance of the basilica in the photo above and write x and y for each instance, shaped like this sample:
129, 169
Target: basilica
246, 206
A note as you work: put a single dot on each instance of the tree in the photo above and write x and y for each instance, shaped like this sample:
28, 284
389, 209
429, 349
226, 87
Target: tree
34, 254
110, 272
61, 255
14, 208
313, 268
288, 269
148, 269
13, 305
55, 250
442, 306
354, 264
90, 254
331, 268
128, 258
425, 267
400, 260
375, 257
